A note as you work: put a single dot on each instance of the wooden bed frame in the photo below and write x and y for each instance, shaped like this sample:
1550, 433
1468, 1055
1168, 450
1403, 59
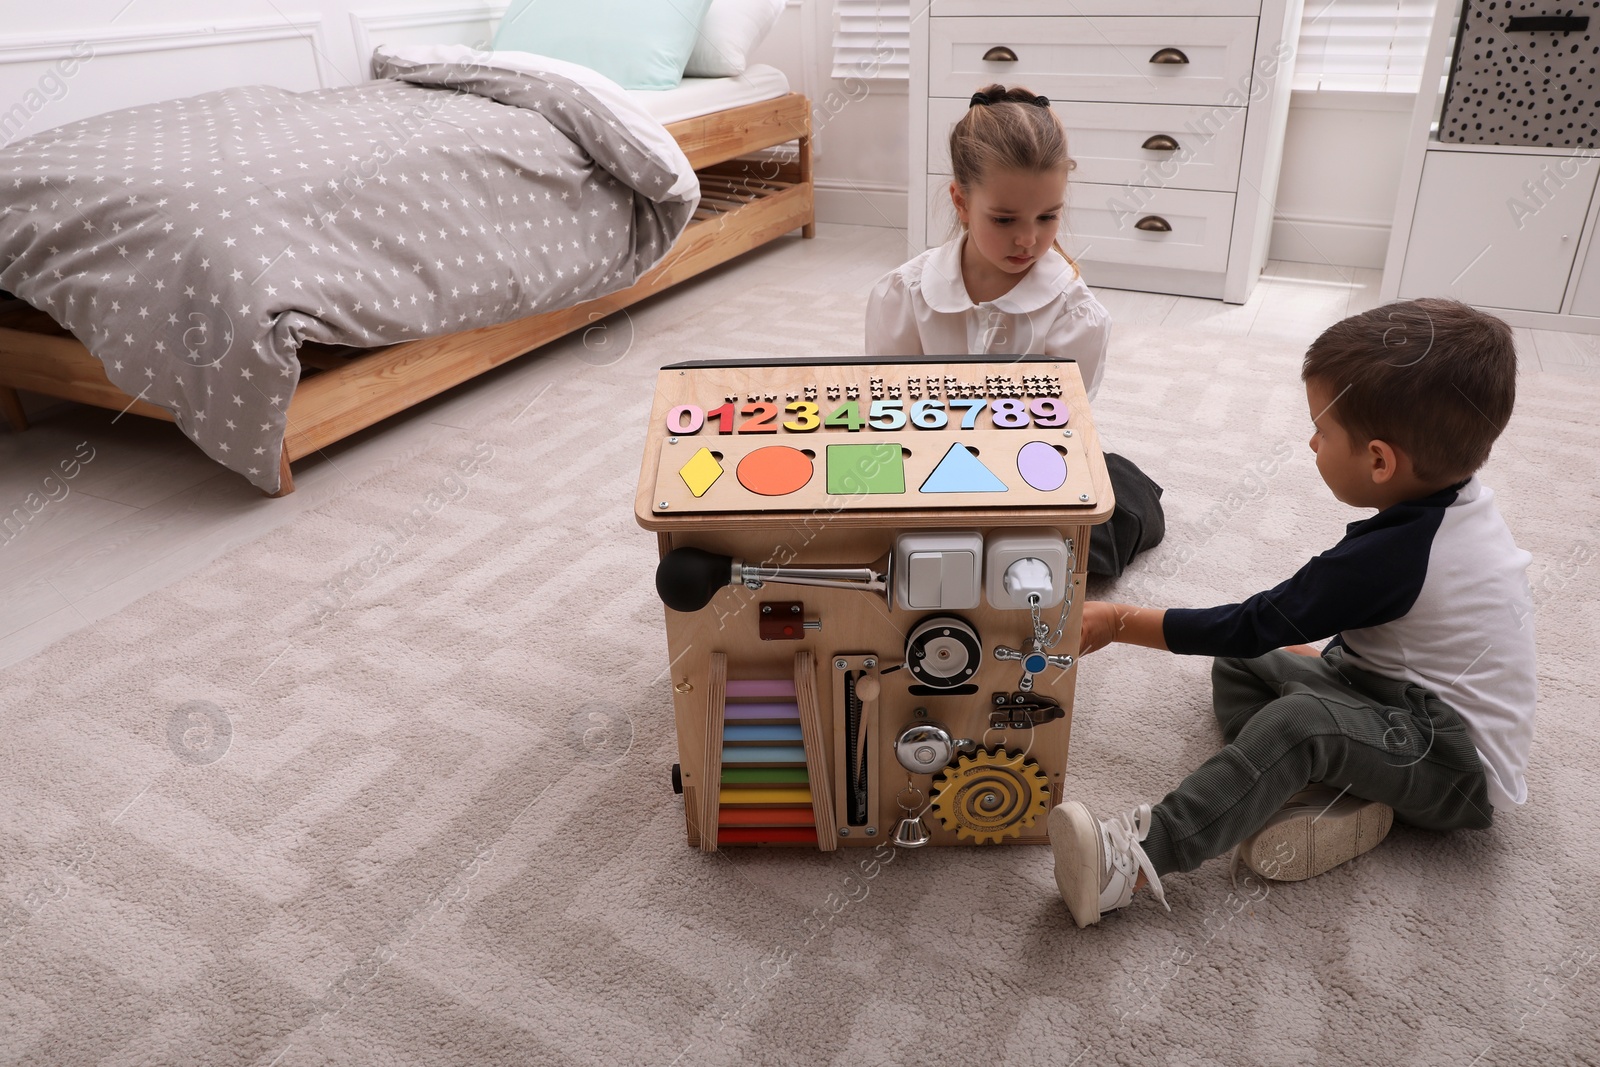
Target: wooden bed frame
744, 204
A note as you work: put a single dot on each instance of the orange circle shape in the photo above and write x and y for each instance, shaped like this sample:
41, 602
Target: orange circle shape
774, 470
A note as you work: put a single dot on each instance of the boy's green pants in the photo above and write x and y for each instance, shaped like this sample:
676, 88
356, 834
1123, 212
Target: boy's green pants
1288, 721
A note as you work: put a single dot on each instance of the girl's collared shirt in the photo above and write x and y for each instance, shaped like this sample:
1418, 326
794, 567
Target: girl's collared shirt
922, 308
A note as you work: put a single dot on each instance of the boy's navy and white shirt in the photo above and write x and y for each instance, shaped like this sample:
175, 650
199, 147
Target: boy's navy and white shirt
1431, 591
922, 308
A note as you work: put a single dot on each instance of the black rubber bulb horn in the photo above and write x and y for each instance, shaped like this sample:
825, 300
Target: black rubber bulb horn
687, 578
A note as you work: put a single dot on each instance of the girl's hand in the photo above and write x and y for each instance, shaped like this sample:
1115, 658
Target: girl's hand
1099, 626
1303, 650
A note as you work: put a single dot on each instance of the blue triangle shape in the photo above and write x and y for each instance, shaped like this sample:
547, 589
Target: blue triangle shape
961, 471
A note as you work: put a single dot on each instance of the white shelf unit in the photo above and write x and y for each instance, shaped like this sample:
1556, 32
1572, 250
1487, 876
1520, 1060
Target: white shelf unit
1175, 114
1506, 228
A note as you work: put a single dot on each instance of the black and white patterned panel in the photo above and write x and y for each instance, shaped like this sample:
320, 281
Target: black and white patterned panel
1525, 73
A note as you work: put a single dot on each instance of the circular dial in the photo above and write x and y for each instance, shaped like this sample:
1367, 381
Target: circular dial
943, 652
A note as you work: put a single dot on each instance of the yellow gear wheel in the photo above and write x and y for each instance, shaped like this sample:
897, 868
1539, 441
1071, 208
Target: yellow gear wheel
988, 796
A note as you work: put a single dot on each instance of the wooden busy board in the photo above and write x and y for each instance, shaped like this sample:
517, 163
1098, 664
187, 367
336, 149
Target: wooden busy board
783, 436
764, 713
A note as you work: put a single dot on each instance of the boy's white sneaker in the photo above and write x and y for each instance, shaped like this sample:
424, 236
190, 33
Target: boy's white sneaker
1315, 831
1098, 860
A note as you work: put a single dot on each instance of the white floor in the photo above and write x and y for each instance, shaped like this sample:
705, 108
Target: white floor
149, 509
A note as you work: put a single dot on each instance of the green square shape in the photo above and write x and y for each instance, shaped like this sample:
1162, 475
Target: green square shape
857, 470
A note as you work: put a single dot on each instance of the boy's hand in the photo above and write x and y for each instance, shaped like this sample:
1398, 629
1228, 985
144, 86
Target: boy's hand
1099, 626
1105, 622
1303, 650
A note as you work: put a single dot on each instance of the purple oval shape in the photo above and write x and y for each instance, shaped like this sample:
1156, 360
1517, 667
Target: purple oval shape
1041, 466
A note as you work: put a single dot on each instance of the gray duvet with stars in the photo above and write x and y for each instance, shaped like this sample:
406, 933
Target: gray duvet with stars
194, 245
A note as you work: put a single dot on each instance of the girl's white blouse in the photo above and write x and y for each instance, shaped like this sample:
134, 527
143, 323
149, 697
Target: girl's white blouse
922, 308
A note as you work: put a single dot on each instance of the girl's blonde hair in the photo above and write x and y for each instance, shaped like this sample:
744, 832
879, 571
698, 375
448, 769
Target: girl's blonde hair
1013, 130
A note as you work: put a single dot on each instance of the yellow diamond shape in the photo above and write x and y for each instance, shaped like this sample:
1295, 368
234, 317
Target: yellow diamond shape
701, 472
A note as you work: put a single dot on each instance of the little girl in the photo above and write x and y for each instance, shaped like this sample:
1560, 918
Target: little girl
1003, 286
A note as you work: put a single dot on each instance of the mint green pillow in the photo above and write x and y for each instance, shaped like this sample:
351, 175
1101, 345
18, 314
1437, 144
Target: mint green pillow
639, 44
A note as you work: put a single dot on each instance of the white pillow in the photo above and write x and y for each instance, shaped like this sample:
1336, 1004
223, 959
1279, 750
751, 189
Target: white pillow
728, 34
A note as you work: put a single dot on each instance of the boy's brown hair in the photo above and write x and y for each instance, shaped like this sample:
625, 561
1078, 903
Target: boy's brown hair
1432, 377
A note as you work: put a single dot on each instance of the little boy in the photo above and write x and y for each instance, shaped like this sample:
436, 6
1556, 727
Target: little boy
1421, 707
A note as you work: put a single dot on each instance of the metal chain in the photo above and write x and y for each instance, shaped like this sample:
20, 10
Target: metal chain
1041, 632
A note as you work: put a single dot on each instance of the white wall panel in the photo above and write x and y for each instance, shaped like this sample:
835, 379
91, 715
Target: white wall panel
48, 80
147, 50
1341, 172
860, 125
473, 26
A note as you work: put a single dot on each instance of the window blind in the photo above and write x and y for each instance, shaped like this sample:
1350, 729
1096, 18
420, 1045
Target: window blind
872, 39
1363, 45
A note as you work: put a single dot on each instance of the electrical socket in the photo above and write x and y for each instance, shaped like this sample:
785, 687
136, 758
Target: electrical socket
1004, 548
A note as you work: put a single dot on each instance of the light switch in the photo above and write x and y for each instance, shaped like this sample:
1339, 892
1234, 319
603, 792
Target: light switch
938, 570
924, 580
958, 587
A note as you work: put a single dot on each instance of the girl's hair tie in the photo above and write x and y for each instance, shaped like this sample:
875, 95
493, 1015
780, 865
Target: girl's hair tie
987, 99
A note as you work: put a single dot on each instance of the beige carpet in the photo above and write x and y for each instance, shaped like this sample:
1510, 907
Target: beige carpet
390, 785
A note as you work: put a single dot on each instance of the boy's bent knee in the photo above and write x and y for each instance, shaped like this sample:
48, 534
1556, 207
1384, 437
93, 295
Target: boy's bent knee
1291, 722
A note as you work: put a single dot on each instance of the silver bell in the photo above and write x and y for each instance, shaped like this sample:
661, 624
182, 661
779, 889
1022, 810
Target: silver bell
910, 833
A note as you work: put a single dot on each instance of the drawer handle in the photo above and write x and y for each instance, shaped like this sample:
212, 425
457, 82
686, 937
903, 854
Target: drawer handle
1548, 23
1160, 142
999, 54
1153, 224
1169, 55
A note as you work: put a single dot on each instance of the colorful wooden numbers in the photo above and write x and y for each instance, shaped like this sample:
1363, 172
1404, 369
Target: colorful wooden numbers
928, 413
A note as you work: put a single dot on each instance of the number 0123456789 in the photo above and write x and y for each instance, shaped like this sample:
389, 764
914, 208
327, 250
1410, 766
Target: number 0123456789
805, 416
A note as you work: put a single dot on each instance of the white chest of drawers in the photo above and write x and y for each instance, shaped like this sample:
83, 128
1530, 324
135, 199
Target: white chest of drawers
1174, 110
